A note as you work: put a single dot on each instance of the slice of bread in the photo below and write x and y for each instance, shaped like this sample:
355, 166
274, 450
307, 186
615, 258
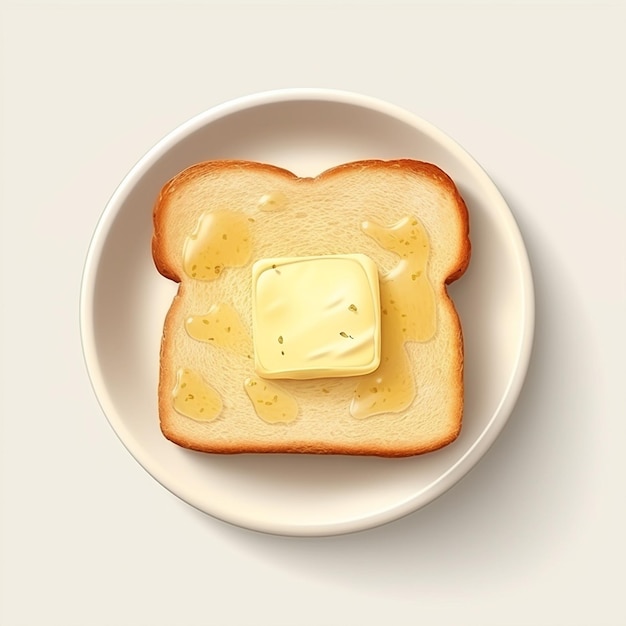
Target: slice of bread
215, 220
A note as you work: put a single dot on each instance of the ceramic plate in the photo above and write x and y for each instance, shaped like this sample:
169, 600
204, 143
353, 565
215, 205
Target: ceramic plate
124, 302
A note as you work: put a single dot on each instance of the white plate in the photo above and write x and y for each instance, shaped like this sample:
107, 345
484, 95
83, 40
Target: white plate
124, 301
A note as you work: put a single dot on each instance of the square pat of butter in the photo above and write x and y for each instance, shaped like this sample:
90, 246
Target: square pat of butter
316, 317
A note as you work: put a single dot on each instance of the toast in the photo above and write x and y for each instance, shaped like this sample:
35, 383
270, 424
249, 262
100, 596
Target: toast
312, 314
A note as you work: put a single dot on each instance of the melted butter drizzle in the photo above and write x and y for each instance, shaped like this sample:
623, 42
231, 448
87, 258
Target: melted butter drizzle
194, 398
221, 326
408, 307
272, 201
221, 239
271, 403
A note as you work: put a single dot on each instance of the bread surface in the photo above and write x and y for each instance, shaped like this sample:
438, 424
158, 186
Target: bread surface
325, 215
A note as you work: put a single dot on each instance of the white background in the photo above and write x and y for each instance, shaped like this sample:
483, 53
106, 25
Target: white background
535, 533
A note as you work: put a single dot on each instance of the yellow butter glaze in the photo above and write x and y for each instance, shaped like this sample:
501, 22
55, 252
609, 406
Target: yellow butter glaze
273, 201
221, 239
194, 398
408, 310
221, 326
271, 403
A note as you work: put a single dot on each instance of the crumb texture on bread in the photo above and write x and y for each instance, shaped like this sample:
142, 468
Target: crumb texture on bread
405, 215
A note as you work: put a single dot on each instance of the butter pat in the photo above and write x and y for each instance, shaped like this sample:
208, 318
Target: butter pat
316, 317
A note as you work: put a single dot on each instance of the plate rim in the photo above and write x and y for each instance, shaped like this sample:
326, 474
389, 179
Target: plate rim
510, 394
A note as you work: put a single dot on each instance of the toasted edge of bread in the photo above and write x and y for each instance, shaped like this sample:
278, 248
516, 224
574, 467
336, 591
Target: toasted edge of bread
165, 264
